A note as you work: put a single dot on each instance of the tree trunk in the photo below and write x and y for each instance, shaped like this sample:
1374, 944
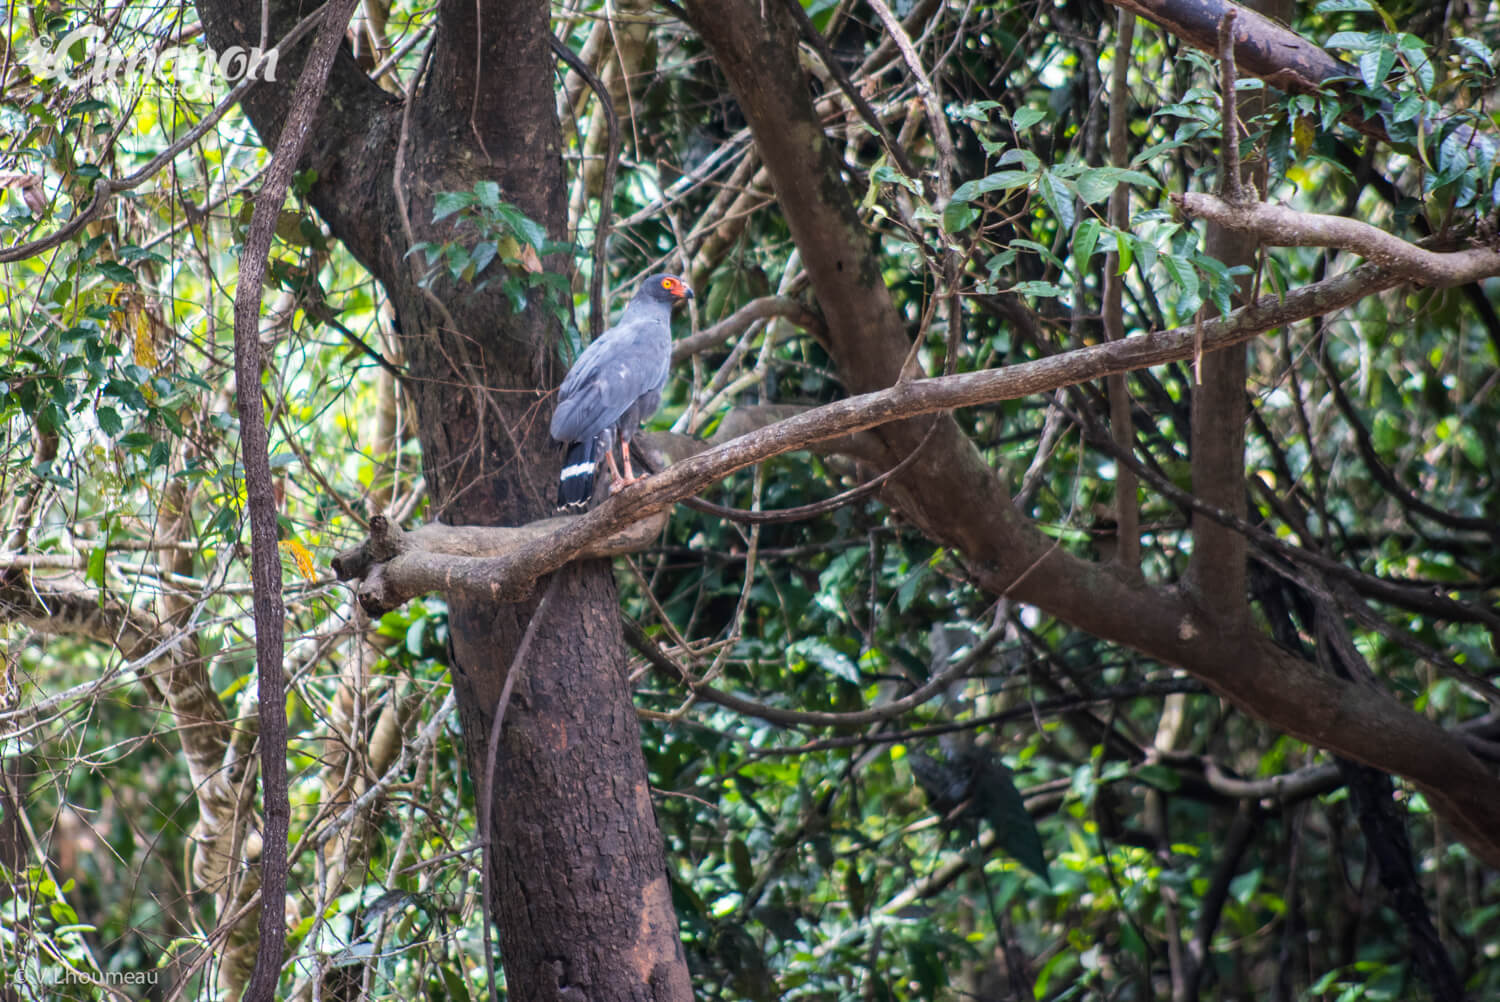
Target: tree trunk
580, 892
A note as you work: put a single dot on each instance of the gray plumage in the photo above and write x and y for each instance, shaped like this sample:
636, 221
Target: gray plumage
614, 386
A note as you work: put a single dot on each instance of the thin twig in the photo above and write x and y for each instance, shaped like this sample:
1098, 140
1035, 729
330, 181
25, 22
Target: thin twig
607, 184
815, 508
1127, 506
936, 120
812, 36
1229, 146
265, 559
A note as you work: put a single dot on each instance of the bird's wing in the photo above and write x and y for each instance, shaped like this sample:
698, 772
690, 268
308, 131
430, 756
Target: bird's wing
587, 362
614, 373
638, 316
601, 388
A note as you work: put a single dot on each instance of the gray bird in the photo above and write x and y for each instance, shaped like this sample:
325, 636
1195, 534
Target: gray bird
614, 386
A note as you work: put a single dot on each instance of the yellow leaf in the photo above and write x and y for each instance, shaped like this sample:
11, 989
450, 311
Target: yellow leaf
301, 558
1304, 134
145, 347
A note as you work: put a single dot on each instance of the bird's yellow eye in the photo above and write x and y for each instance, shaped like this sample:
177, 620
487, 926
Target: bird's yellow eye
669, 284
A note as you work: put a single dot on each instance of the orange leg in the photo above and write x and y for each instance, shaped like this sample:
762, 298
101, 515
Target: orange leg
614, 471
619, 483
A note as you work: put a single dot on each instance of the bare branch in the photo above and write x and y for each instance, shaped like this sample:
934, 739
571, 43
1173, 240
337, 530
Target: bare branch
937, 121
607, 185
1127, 508
736, 323
938, 683
1281, 226
1229, 143
265, 559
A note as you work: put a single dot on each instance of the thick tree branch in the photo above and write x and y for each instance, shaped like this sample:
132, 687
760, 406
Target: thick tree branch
1217, 566
425, 549
1263, 47
1229, 142
1281, 226
532, 551
1275, 54
351, 150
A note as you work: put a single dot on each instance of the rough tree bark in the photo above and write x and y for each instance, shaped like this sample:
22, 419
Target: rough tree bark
581, 895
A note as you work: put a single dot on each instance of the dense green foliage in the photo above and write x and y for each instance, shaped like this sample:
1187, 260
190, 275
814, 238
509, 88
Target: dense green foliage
1056, 820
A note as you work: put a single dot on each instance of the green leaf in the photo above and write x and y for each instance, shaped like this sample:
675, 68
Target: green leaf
1084, 240
1015, 830
999, 181
1029, 161
448, 202
1408, 108
1159, 776
116, 272
95, 573
1025, 118
1125, 248
1353, 41
1478, 50
51, 417
973, 112
1155, 150
890, 175
854, 891
1374, 67
739, 860
454, 983
416, 636
523, 226
109, 421
1184, 276
487, 193
484, 253
1097, 183
1419, 62
910, 586
130, 253
957, 217
1059, 198
1039, 289
827, 657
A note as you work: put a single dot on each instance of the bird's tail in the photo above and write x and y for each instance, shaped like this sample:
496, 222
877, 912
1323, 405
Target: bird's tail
576, 487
